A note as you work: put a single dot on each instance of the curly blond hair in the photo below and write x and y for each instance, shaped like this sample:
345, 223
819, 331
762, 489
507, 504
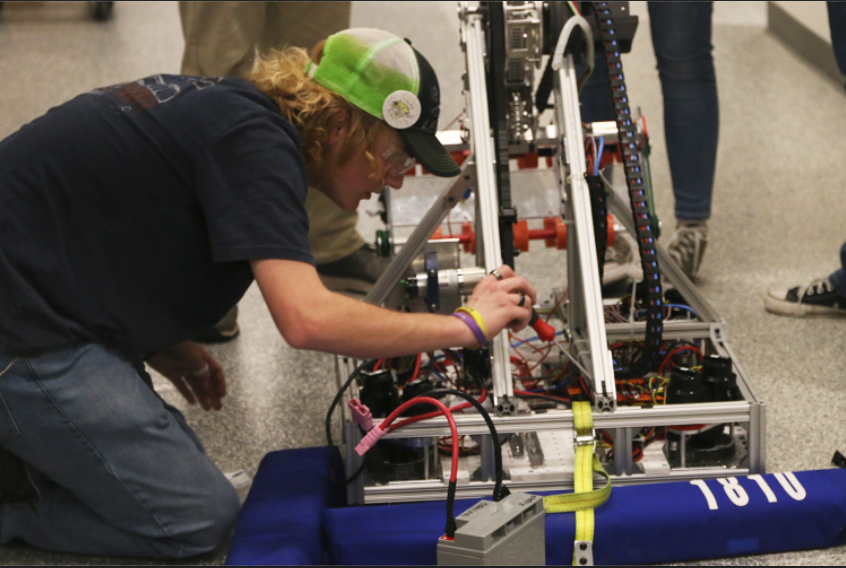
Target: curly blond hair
311, 107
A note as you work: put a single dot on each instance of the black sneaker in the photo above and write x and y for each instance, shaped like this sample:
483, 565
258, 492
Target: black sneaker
357, 272
817, 298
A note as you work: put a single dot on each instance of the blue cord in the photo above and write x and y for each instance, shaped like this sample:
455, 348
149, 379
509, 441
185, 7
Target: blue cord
535, 338
599, 156
683, 307
439, 375
675, 306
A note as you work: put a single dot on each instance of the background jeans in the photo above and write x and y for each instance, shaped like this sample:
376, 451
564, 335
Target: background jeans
681, 37
118, 470
837, 23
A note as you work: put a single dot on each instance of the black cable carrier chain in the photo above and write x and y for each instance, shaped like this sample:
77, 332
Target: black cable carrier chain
626, 132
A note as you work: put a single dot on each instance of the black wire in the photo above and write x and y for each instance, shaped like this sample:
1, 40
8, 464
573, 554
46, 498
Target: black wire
500, 491
329, 441
543, 396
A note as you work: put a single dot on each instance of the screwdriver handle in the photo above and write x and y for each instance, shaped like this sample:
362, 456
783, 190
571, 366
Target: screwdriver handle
545, 331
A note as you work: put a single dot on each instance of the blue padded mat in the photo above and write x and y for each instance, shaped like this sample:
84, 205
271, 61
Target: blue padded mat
281, 521
643, 524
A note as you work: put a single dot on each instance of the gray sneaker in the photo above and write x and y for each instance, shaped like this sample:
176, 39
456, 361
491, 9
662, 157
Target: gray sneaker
687, 247
357, 272
225, 330
622, 260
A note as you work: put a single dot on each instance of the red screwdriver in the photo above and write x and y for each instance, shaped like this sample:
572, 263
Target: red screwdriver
545, 331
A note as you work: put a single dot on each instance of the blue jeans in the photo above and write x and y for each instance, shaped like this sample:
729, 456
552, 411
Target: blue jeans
837, 23
681, 37
117, 469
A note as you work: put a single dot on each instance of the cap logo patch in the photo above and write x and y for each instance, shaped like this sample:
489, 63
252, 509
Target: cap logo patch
401, 109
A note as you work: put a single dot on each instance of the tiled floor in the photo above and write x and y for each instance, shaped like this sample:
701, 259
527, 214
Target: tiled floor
776, 219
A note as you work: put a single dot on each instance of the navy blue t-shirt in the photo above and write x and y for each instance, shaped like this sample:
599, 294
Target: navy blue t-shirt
128, 214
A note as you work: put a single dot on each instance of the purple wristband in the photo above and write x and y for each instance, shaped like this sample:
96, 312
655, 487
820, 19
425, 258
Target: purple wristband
474, 327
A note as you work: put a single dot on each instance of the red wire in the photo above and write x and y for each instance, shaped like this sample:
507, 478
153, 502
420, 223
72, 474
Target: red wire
584, 386
462, 406
416, 367
378, 364
451, 357
677, 350
537, 350
689, 427
576, 6
522, 365
386, 425
555, 307
543, 358
543, 354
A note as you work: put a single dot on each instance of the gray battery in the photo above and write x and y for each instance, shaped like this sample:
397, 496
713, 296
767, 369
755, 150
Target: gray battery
508, 533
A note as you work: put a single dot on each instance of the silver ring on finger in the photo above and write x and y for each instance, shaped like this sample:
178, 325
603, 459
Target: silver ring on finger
201, 372
495, 273
522, 299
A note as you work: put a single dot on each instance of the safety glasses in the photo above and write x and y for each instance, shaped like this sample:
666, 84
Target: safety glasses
398, 161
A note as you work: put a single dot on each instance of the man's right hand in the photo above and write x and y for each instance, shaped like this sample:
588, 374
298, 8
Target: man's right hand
497, 301
195, 373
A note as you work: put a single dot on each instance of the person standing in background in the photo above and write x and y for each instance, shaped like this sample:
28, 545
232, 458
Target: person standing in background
681, 37
221, 40
822, 296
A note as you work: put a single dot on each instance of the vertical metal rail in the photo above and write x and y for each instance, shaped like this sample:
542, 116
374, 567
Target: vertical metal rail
482, 149
587, 317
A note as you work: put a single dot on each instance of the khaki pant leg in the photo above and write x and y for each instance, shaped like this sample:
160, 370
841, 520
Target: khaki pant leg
303, 24
220, 40
331, 233
221, 37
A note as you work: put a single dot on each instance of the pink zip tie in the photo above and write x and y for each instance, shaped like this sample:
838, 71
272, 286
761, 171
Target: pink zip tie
360, 414
367, 442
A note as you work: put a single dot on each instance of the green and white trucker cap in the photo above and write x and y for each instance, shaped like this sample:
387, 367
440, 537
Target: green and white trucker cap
384, 76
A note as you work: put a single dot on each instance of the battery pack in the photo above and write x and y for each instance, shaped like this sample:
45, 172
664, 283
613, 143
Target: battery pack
504, 533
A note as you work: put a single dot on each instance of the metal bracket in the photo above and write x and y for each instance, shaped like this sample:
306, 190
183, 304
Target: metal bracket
433, 297
584, 553
579, 441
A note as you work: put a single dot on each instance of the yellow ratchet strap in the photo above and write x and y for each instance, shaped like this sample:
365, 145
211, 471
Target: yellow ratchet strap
584, 498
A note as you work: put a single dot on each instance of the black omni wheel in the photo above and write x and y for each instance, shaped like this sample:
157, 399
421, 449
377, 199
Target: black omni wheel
101, 11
